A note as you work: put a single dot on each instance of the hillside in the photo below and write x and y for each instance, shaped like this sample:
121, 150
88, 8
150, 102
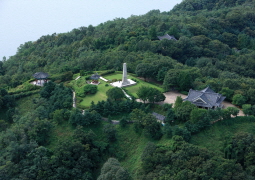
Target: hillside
43, 137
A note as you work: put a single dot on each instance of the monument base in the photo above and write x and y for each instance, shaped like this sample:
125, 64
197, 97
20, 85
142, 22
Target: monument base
120, 84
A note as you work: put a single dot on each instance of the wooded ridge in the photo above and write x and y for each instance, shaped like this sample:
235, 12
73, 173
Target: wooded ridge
43, 137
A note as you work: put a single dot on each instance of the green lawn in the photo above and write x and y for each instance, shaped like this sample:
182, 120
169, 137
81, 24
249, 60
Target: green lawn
113, 76
99, 96
79, 84
133, 89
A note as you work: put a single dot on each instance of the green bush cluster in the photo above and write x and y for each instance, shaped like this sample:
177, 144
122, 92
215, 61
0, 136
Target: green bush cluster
26, 87
25, 94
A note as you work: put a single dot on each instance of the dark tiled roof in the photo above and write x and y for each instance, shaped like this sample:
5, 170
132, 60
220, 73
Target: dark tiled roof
205, 98
95, 76
208, 89
159, 116
166, 36
40, 75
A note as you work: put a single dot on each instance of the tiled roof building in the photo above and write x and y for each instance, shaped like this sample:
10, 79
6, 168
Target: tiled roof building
95, 76
205, 98
41, 75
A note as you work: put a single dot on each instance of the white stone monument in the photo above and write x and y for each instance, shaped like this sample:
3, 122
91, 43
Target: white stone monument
124, 76
125, 81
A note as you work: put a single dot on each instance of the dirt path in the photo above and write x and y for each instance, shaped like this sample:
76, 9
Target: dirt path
171, 97
228, 104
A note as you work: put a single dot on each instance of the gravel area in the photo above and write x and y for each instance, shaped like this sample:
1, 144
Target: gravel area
171, 97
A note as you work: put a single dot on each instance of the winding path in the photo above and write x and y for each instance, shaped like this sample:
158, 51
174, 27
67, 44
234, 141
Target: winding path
74, 100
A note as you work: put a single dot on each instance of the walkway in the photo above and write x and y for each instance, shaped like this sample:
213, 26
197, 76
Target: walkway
74, 100
228, 104
103, 79
129, 97
77, 78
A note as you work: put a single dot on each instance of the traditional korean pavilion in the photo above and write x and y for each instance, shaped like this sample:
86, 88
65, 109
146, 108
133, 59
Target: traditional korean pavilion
41, 77
205, 98
95, 78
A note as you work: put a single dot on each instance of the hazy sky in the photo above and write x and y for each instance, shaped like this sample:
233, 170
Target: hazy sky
28, 20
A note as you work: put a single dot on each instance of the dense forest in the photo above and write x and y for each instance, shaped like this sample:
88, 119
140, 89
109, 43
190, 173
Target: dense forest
215, 47
43, 137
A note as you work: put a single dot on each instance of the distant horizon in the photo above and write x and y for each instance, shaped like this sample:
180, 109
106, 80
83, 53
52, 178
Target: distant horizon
28, 20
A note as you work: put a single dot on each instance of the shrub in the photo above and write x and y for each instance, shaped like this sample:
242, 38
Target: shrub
239, 100
90, 89
183, 132
83, 73
167, 130
110, 132
87, 77
123, 121
184, 92
135, 80
115, 93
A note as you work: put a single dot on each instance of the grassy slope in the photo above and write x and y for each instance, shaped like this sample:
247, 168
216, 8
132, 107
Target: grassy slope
132, 145
26, 104
216, 136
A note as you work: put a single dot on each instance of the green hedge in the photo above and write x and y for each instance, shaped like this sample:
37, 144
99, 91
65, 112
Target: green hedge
27, 88
25, 94
107, 72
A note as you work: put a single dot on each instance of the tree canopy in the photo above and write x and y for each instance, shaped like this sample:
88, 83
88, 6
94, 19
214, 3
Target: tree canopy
43, 137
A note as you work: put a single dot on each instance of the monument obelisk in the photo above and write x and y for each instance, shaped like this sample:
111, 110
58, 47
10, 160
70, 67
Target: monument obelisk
125, 81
